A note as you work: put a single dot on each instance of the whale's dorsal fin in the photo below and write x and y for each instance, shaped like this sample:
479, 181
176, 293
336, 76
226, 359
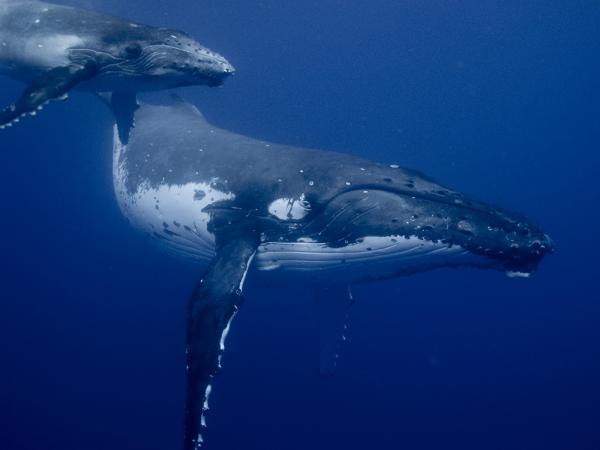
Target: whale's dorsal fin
54, 84
211, 310
124, 105
333, 305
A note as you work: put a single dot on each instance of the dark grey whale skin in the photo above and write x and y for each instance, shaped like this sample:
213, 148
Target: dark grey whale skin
347, 198
102, 53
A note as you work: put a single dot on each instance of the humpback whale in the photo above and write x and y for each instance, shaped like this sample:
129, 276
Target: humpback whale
56, 48
244, 208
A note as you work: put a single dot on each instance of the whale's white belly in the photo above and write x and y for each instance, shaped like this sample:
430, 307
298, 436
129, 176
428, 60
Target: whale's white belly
29, 46
174, 214
25, 56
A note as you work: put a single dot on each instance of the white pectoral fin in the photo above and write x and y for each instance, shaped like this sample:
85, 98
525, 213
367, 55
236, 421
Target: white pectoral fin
333, 304
212, 307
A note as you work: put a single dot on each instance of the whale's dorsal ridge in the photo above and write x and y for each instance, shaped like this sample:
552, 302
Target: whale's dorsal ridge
186, 108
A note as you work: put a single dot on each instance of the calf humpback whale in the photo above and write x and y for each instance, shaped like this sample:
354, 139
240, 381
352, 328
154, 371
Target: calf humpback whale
56, 48
249, 208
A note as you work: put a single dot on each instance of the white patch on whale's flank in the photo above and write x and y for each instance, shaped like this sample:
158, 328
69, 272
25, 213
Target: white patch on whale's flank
46, 51
290, 208
173, 213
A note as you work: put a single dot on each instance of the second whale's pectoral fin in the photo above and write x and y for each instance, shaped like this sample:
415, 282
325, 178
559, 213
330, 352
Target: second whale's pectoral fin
333, 305
54, 84
212, 307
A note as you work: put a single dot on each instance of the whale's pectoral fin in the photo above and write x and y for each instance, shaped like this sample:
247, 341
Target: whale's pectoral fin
124, 105
333, 305
53, 84
212, 307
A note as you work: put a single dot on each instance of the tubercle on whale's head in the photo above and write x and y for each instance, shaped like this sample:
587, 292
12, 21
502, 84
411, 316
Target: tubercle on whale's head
162, 58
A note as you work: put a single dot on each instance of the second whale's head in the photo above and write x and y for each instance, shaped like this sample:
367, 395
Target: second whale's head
140, 57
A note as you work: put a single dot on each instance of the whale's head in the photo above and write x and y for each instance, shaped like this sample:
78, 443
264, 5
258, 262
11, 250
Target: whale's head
148, 58
386, 222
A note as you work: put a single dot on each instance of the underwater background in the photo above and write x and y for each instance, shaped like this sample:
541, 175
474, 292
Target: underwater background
500, 100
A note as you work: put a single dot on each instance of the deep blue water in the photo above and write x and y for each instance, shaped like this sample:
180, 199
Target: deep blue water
498, 99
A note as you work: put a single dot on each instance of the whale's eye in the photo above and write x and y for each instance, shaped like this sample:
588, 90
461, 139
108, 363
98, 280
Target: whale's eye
133, 50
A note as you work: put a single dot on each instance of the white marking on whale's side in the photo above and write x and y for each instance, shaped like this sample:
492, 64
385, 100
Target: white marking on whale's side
289, 208
39, 51
172, 213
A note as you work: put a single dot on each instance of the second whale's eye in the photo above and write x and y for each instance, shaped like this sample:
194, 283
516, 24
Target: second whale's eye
133, 50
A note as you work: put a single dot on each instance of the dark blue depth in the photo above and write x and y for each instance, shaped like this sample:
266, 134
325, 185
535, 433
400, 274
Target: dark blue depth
497, 99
